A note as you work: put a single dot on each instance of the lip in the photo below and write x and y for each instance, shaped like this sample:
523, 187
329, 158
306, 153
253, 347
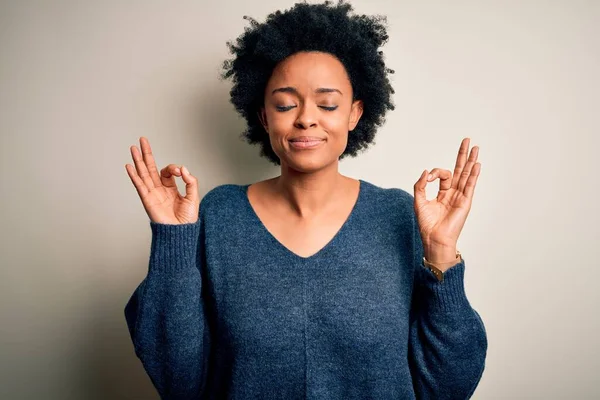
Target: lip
306, 138
311, 144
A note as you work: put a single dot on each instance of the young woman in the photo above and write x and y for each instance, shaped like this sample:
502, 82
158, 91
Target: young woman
312, 284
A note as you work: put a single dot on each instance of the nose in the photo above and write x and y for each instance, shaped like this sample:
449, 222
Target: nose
307, 117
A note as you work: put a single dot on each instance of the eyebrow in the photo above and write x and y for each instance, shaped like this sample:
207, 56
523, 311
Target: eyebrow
289, 89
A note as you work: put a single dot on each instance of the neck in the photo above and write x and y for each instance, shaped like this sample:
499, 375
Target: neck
309, 195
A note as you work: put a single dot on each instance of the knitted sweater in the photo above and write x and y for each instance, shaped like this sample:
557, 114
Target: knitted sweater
226, 311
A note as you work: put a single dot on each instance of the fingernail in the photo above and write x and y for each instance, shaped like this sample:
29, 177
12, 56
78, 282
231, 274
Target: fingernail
430, 176
185, 171
177, 170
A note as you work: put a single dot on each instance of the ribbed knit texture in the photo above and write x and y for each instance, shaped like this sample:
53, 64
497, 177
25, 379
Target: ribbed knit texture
226, 311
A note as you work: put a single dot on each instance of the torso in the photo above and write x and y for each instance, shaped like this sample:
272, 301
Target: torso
304, 237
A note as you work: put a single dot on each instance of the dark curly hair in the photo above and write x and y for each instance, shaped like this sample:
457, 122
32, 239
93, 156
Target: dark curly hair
353, 39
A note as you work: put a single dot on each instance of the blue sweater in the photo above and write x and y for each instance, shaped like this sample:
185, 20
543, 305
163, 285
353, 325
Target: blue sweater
227, 312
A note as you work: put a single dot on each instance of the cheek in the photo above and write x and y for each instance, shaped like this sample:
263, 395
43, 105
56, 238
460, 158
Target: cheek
280, 122
336, 125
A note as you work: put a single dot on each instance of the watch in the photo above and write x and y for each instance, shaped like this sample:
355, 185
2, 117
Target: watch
436, 271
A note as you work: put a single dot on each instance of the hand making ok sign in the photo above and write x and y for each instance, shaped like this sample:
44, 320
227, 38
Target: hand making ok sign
442, 219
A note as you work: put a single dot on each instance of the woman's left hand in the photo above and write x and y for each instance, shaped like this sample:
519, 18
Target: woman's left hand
441, 220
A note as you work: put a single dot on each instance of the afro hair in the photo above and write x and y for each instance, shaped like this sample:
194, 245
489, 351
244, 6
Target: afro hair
352, 39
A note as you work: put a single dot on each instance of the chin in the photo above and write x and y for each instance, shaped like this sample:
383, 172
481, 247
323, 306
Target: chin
307, 163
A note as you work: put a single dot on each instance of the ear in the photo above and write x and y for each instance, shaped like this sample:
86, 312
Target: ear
355, 113
262, 116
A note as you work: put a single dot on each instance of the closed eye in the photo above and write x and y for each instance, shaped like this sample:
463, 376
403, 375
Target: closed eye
281, 108
329, 108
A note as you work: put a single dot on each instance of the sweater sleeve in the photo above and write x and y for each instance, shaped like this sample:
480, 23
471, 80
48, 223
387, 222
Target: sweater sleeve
447, 337
165, 315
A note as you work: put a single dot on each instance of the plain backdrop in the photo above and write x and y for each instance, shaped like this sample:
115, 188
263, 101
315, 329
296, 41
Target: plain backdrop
81, 81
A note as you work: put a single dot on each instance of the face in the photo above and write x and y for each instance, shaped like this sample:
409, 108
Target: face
309, 94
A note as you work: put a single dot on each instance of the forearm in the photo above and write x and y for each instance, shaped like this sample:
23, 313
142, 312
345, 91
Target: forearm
448, 342
166, 317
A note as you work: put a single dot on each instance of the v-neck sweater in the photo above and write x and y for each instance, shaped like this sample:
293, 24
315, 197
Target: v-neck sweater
226, 311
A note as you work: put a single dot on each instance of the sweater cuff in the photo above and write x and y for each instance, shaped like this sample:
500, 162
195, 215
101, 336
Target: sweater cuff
174, 246
447, 295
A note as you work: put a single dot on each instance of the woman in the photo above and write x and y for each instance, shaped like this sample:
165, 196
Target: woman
311, 284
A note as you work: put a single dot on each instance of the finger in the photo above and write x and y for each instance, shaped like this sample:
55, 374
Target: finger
419, 189
191, 185
445, 176
149, 160
140, 186
168, 174
461, 161
140, 166
472, 181
467, 169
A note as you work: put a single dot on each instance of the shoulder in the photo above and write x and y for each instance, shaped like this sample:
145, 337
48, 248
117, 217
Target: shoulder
221, 197
395, 201
221, 192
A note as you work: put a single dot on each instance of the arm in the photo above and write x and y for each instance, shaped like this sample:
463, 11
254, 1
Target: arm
165, 315
447, 339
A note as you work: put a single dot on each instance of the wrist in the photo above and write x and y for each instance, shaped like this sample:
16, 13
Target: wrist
439, 269
440, 254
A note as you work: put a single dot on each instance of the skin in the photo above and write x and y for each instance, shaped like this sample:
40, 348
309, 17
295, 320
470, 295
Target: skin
308, 203
158, 191
442, 219
310, 183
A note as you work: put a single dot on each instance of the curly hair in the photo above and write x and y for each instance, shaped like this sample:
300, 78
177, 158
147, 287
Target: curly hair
353, 39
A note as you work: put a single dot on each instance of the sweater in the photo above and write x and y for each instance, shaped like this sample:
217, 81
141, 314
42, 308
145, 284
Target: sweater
226, 311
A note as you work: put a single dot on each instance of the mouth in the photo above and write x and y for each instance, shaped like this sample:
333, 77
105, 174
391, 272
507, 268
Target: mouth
306, 143
306, 138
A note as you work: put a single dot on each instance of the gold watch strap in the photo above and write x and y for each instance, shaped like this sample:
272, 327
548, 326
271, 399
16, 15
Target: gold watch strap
436, 271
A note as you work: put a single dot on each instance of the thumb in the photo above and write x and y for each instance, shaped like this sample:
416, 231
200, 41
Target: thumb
419, 188
191, 185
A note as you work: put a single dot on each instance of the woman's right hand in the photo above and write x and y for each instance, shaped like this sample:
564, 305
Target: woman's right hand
159, 194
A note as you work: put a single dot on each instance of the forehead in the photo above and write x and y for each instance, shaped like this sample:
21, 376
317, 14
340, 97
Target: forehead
310, 70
